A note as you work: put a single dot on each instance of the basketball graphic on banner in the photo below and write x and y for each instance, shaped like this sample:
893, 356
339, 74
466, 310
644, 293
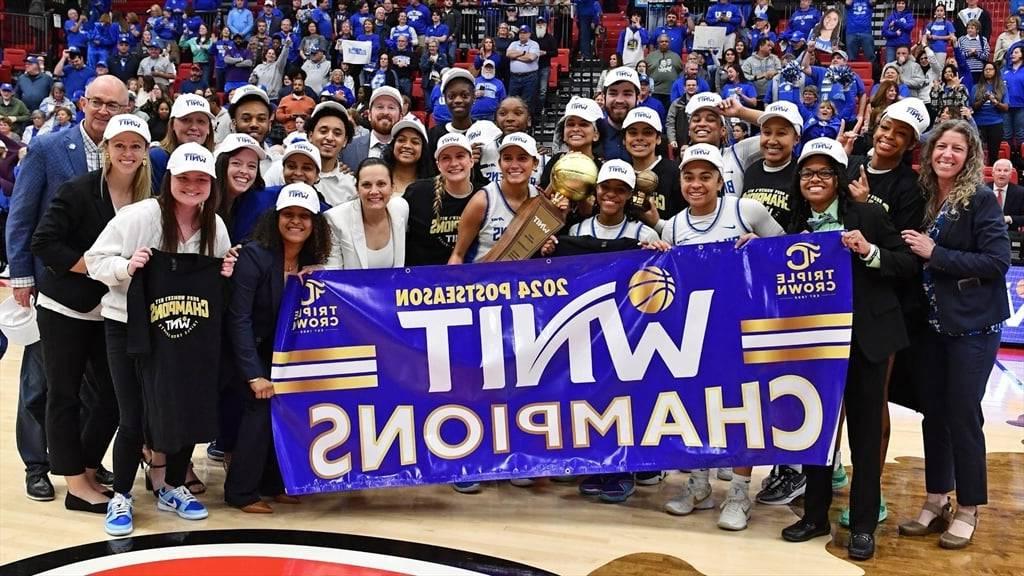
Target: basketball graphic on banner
651, 290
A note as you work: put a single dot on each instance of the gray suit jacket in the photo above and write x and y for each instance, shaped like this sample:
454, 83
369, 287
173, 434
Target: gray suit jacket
356, 151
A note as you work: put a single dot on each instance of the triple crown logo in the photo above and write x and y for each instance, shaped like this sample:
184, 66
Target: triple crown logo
801, 255
314, 290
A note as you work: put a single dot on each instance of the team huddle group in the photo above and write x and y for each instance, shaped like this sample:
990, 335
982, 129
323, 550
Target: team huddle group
95, 206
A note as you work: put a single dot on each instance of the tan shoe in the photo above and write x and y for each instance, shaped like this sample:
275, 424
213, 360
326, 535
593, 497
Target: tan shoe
286, 499
257, 507
943, 517
951, 542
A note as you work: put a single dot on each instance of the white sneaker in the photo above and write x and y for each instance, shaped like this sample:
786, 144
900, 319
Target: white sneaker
724, 474
521, 482
735, 509
696, 495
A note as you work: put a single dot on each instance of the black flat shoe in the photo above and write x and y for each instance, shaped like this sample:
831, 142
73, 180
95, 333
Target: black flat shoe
72, 502
39, 488
805, 530
862, 546
104, 476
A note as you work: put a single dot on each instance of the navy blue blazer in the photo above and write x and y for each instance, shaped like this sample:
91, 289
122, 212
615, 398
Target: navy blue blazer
257, 282
969, 265
52, 160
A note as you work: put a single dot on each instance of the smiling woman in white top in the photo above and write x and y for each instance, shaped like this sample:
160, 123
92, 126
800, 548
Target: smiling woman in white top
369, 232
182, 219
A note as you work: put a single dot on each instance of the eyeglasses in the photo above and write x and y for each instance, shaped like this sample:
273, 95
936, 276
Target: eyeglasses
825, 174
113, 107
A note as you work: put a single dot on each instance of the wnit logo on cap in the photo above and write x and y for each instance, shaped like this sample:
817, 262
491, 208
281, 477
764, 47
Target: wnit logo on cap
130, 122
517, 139
706, 99
298, 193
193, 100
642, 114
193, 157
699, 151
777, 107
303, 146
821, 146
915, 113
579, 106
616, 169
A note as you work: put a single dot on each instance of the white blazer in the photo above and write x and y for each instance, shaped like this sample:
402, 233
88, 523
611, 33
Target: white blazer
348, 236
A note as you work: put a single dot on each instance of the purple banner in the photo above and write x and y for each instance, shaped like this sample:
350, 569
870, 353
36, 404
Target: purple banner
705, 356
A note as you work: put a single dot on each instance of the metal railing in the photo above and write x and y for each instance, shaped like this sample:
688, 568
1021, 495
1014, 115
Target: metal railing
31, 32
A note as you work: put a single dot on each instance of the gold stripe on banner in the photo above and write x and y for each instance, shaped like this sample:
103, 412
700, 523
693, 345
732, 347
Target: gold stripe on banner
345, 383
325, 354
843, 320
794, 354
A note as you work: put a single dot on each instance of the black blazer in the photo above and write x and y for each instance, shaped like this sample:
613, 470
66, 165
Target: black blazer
73, 221
258, 281
1013, 205
969, 265
877, 319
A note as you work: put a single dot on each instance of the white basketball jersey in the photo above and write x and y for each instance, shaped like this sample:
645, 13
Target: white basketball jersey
626, 229
496, 219
723, 225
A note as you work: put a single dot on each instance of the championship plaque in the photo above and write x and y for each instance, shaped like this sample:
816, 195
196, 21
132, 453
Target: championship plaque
538, 218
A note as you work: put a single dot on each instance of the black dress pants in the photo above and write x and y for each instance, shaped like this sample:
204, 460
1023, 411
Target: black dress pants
865, 383
254, 471
957, 372
75, 363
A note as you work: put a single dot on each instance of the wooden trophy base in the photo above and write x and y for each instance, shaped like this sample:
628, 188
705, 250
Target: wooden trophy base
536, 220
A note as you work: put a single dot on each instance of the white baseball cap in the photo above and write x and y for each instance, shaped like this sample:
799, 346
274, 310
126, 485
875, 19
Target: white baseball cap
298, 194
642, 115
785, 110
126, 123
584, 108
236, 141
407, 123
910, 111
386, 91
704, 100
824, 147
617, 170
705, 152
622, 74
329, 105
191, 157
522, 140
306, 149
454, 74
186, 104
483, 132
18, 323
249, 90
453, 139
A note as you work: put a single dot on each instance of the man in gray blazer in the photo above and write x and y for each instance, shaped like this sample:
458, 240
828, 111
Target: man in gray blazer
385, 112
52, 160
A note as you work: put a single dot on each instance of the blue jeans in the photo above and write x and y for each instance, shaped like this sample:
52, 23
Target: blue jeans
890, 54
856, 42
524, 86
30, 425
586, 24
97, 54
1013, 127
542, 87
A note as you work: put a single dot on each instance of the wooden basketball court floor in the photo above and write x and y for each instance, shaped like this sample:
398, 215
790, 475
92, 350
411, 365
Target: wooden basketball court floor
550, 527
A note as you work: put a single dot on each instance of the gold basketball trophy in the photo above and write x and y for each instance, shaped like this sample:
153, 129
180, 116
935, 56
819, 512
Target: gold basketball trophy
572, 177
646, 186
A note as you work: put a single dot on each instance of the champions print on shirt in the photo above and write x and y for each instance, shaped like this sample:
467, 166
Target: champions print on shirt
178, 315
446, 228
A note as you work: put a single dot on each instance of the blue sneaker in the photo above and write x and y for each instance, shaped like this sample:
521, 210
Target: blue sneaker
617, 488
182, 502
466, 487
119, 515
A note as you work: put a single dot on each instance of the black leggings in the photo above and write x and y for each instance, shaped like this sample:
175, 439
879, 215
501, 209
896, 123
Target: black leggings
991, 137
130, 432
